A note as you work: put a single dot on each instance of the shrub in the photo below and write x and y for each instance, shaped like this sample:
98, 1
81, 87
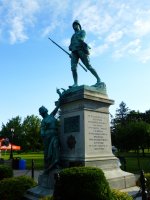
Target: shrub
5, 172
47, 198
147, 176
82, 183
118, 195
1, 161
14, 188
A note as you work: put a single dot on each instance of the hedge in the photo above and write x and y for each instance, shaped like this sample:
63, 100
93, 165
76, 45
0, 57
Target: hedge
5, 172
14, 188
118, 195
78, 183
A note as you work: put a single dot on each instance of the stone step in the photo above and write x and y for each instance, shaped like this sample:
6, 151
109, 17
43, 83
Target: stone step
133, 191
30, 197
33, 195
37, 192
119, 179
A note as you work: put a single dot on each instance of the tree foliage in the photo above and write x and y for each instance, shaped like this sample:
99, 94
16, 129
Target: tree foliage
121, 113
131, 129
26, 134
6, 132
31, 130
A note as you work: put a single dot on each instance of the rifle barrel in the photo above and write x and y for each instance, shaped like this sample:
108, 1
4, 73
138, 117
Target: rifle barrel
66, 52
59, 46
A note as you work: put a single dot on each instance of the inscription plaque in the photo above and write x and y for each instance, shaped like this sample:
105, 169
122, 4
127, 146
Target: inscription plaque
72, 124
98, 140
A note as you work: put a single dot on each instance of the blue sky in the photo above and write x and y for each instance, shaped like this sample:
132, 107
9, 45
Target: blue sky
32, 67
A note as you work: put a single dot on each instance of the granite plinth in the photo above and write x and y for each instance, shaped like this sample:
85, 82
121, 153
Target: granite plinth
85, 134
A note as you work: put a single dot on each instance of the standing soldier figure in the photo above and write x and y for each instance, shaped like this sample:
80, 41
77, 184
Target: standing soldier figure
80, 50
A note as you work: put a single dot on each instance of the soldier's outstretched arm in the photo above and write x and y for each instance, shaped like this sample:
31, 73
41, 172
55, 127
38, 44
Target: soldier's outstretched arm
58, 103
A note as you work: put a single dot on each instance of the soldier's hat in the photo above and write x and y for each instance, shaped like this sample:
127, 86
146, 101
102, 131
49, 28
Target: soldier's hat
76, 22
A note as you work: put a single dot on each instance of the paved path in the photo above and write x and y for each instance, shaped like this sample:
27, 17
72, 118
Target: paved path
132, 191
28, 173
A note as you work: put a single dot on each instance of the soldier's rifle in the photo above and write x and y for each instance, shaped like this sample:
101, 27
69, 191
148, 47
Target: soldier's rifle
66, 52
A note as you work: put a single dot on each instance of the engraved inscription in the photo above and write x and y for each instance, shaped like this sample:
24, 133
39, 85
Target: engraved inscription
97, 130
72, 124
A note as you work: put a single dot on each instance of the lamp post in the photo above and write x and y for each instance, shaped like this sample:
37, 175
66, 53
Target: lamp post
11, 150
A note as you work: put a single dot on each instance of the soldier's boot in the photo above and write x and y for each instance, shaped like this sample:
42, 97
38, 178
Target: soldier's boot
96, 76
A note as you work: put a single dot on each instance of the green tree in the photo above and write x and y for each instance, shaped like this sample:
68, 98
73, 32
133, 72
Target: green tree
134, 116
146, 117
26, 134
6, 132
121, 113
133, 135
31, 130
130, 129
118, 122
137, 134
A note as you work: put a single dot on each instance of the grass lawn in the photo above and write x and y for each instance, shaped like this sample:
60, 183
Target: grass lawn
135, 163
132, 163
36, 156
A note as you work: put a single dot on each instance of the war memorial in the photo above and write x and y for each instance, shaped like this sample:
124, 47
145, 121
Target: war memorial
85, 138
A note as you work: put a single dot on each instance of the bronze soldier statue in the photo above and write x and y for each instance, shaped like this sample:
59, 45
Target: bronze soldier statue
80, 50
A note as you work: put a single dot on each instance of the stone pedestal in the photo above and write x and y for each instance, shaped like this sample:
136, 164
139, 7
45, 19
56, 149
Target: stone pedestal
85, 134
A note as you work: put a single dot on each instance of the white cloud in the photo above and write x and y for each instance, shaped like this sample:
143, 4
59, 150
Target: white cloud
98, 49
114, 25
48, 29
55, 15
92, 17
130, 48
144, 55
66, 42
0, 35
142, 27
17, 30
114, 36
17, 17
121, 27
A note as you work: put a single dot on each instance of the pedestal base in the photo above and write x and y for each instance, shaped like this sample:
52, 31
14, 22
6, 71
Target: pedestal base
45, 186
117, 178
